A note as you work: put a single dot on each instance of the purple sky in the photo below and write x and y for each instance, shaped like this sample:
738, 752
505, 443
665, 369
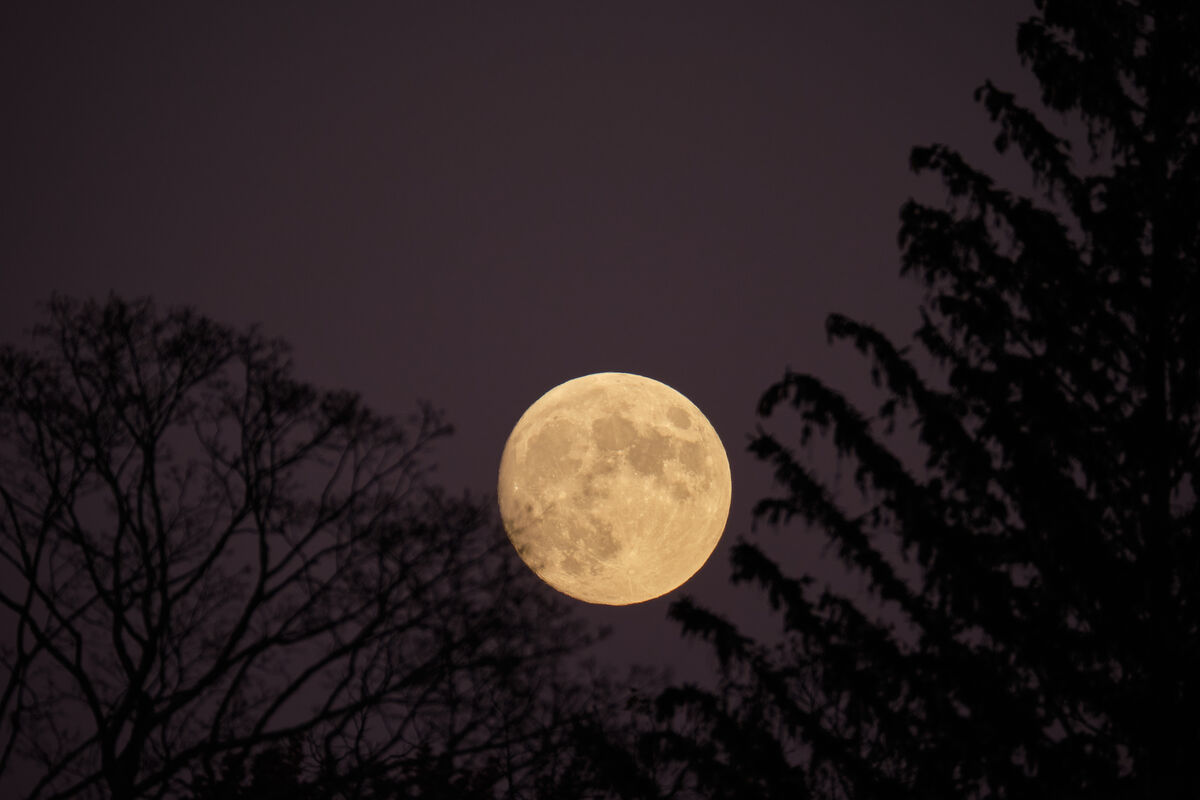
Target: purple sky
472, 203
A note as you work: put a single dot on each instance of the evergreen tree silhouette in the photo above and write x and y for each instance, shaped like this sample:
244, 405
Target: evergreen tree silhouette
1031, 629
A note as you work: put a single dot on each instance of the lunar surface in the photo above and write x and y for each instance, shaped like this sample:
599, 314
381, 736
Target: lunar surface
614, 488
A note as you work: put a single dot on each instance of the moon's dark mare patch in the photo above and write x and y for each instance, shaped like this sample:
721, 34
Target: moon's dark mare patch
649, 451
550, 450
613, 432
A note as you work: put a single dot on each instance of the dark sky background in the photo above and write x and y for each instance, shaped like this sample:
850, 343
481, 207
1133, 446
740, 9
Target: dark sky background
472, 203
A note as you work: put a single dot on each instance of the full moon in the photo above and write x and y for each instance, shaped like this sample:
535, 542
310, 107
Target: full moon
614, 488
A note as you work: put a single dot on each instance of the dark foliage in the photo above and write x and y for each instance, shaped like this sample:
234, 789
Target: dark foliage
219, 581
1032, 628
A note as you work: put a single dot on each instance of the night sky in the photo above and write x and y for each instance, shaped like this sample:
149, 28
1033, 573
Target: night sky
472, 203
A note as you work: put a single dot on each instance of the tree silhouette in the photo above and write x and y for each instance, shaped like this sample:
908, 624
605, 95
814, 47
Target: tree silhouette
1034, 573
220, 581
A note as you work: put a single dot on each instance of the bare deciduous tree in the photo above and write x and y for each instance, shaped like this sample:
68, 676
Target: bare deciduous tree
203, 558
